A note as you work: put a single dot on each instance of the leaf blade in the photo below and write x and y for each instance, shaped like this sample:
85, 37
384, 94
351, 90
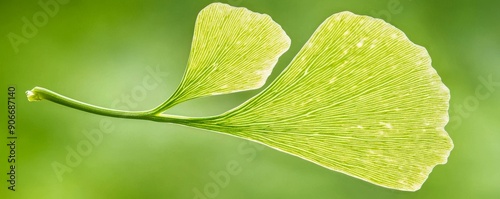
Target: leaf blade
233, 49
359, 98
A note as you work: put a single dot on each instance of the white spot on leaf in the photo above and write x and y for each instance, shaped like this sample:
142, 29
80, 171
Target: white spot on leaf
360, 44
387, 125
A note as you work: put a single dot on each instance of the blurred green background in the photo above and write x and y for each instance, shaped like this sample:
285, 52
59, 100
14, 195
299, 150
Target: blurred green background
102, 52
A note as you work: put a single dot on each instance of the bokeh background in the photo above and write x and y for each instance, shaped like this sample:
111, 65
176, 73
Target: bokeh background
100, 52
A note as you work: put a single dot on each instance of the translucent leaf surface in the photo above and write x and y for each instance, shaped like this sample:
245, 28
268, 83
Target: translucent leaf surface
233, 49
359, 98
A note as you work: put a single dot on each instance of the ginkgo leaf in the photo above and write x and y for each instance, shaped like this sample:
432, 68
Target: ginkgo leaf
233, 49
359, 98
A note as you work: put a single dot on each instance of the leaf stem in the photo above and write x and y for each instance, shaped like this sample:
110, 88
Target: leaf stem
39, 93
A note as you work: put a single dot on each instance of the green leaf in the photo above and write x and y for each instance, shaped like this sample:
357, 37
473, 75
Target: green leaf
359, 98
233, 50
